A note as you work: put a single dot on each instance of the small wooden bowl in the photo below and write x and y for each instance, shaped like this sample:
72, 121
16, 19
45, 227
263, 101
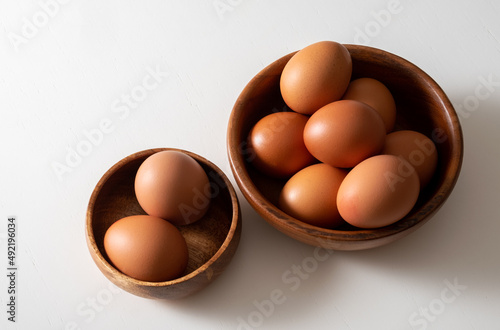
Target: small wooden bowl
422, 106
212, 241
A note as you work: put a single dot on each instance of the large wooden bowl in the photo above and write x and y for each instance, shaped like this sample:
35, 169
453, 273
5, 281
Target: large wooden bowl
422, 106
212, 241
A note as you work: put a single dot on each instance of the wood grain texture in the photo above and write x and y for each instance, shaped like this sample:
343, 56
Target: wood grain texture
422, 106
212, 241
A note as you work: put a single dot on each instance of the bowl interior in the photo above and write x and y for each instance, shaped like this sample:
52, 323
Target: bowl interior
421, 106
114, 198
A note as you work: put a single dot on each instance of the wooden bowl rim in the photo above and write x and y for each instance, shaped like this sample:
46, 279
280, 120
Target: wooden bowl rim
145, 153
276, 217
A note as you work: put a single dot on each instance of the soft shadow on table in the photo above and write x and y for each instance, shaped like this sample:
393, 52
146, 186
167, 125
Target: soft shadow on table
460, 241
257, 269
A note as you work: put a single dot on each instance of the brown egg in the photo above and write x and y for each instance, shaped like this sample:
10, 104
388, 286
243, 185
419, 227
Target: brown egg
315, 76
146, 248
311, 195
376, 95
415, 148
344, 133
173, 186
277, 144
378, 192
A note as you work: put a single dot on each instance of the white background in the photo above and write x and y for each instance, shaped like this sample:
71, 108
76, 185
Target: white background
59, 81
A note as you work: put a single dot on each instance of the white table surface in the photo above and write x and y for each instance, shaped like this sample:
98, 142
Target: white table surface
69, 75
